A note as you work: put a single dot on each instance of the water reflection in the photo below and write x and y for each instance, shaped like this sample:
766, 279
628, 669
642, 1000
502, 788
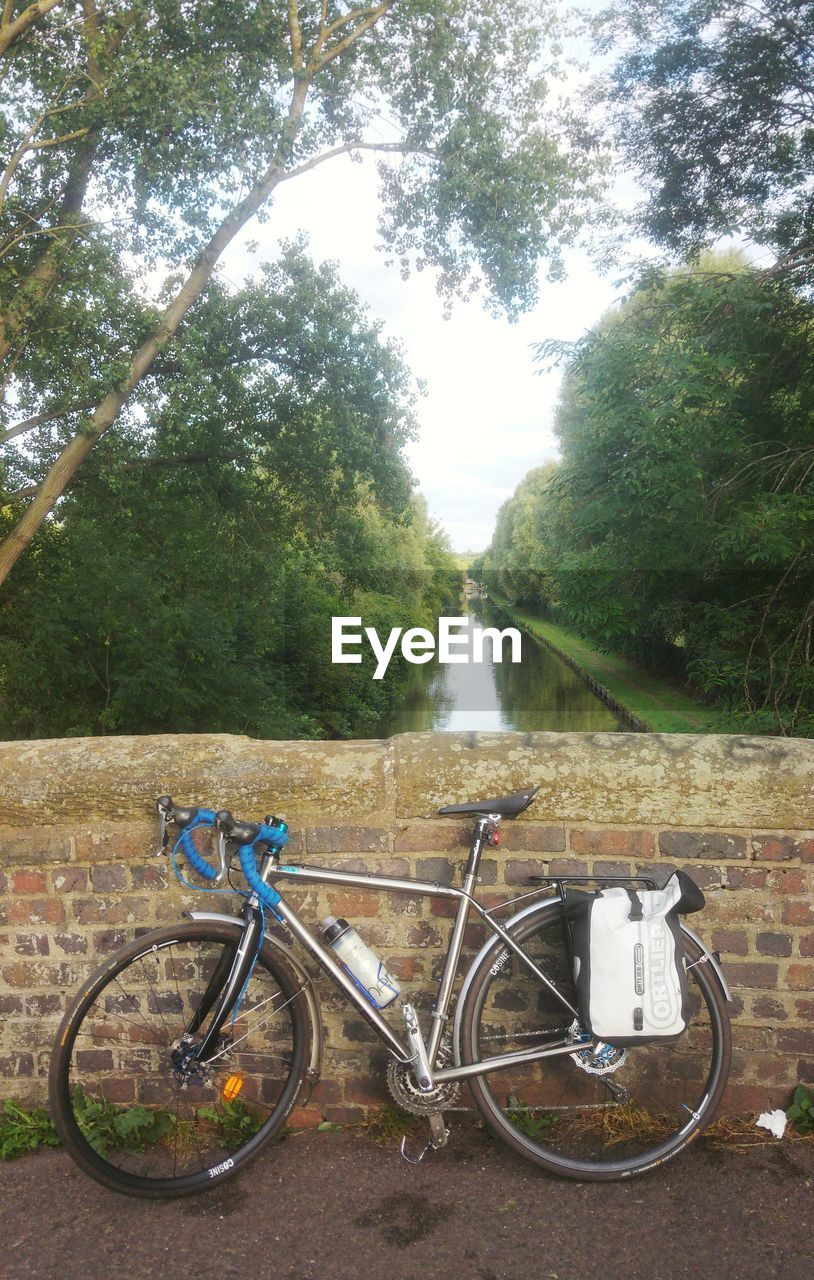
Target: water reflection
540, 692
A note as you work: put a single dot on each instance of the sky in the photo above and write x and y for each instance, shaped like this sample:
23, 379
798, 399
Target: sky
486, 418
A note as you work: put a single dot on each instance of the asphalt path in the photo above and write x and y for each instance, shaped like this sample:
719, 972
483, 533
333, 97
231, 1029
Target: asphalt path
339, 1206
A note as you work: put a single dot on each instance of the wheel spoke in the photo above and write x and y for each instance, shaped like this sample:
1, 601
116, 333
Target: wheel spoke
144, 1121
562, 1112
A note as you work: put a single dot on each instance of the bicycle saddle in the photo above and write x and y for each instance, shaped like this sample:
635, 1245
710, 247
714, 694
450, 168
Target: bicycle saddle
506, 806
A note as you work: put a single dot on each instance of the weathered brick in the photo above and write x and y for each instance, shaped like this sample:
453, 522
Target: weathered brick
305, 1117
150, 875
115, 842
768, 1007
25, 974
436, 870
613, 843
709, 877
16, 1064
423, 934
444, 908
112, 910
747, 878
406, 968
796, 1040
346, 839
69, 879
36, 911
611, 870
806, 849
29, 882
751, 974
399, 868
800, 977
531, 837
519, 871
108, 879
792, 881
106, 940
795, 912
701, 844
3, 882
34, 845
487, 871
773, 944
31, 944
10, 1005
44, 1006
772, 848
351, 903
805, 1009
71, 944
431, 837
807, 944
732, 941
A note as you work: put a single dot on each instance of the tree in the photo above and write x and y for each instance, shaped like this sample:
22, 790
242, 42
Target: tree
153, 131
191, 577
685, 533
519, 563
713, 108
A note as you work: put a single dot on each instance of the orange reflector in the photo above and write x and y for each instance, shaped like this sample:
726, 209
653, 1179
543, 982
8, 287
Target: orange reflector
232, 1087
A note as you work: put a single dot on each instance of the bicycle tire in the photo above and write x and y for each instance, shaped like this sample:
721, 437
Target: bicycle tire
554, 1112
134, 1125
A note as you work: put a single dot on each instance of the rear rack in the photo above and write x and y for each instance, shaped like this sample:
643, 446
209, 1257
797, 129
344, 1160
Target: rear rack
648, 880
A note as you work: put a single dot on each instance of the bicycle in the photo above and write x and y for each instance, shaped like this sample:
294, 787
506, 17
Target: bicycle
183, 1055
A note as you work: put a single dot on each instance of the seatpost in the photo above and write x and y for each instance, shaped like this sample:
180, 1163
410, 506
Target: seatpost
484, 831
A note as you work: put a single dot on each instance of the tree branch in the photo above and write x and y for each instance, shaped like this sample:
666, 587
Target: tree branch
404, 148
82, 444
295, 33
10, 32
50, 414
373, 16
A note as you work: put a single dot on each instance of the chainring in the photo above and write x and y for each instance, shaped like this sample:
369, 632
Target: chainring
407, 1095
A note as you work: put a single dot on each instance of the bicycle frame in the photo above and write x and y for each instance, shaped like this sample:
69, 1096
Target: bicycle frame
324, 956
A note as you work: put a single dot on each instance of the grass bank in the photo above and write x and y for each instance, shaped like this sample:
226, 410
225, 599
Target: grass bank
657, 704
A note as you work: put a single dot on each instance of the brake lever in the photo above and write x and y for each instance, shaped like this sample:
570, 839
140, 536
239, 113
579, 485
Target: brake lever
221, 847
164, 806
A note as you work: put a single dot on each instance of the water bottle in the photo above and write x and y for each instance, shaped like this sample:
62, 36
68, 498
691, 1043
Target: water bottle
362, 964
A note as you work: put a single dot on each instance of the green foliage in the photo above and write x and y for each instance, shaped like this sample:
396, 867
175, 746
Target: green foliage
235, 1122
257, 489
104, 1125
679, 528
24, 1130
711, 106
529, 1120
801, 1111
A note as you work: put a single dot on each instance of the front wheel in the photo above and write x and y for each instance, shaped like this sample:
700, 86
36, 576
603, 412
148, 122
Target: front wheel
581, 1116
129, 1101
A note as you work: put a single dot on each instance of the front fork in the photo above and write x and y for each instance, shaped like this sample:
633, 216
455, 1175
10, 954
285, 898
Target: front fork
226, 983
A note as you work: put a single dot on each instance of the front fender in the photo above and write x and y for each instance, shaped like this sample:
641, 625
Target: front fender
285, 953
494, 945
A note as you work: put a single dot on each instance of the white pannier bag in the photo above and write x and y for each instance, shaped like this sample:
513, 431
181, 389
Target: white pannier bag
629, 965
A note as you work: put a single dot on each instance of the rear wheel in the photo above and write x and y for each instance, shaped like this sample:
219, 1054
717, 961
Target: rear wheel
587, 1116
129, 1101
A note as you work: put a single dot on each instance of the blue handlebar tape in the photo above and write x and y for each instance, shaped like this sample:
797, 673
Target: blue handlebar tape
273, 837
203, 818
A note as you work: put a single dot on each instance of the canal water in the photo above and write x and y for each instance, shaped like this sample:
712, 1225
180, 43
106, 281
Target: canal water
540, 692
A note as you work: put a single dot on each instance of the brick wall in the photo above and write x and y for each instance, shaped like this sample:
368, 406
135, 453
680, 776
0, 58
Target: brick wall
76, 878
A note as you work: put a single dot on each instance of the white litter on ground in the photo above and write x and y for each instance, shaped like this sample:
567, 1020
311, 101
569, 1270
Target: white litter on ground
774, 1121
